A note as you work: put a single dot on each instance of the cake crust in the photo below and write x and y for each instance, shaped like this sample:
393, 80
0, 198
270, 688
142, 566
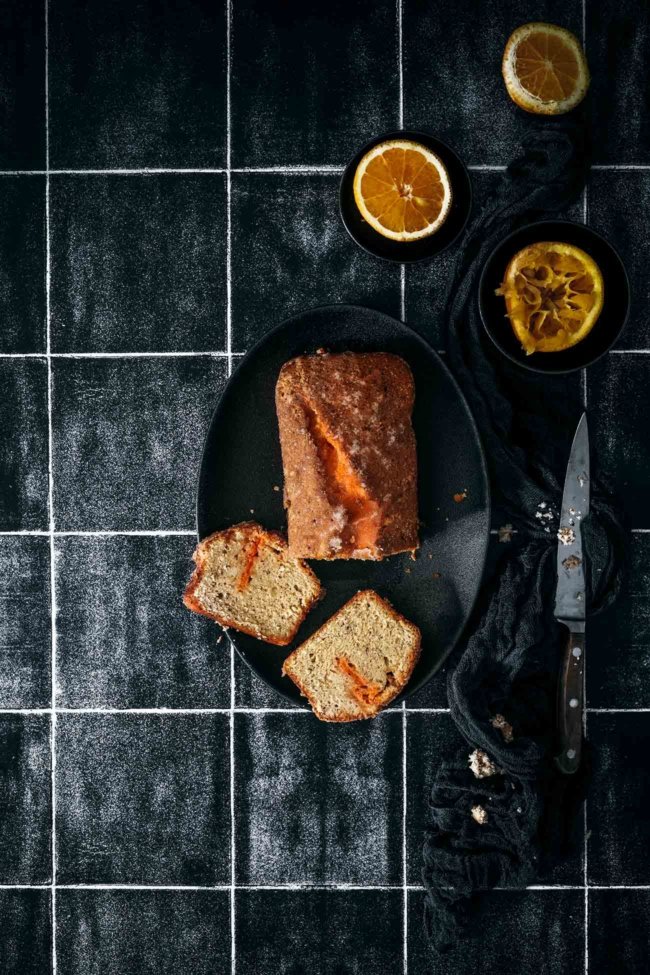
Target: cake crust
349, 455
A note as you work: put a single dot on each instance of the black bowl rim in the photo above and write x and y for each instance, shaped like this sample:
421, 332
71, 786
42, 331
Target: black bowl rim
414, 135
219, 405
484, 317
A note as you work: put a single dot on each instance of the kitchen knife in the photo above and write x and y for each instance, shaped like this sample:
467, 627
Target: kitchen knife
570, 600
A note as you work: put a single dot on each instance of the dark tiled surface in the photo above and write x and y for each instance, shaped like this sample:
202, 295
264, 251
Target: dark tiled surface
619, 403
318, 802
427, 284
138, 264
618, 38
165, 932
617, 204
512, 932
143, 799
127, 438
137, 85
309, 84
619, 829
23, 444
430, 739
618, 675
22, 83
291, 251
25, 932
124, 638
25, 810
25, 640
452, 71
22, 264
320, 932
619, 931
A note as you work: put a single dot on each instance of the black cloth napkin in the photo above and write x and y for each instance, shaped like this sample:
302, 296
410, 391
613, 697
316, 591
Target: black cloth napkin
509, 660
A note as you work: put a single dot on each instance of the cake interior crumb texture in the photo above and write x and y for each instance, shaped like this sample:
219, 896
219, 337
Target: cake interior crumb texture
358, 661
245, 578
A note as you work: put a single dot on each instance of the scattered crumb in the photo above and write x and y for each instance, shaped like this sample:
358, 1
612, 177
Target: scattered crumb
481, 764
430, 556
582, 479
436, 575
460, 496
414, 557
499, 722
276, 487
572, 562
407, 570
480, 815
252, 510
542, 504
566, 535
506, 533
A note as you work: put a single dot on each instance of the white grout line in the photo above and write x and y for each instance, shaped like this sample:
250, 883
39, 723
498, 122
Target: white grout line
306, 887
296, 169
296, 711
231, 717
48, 347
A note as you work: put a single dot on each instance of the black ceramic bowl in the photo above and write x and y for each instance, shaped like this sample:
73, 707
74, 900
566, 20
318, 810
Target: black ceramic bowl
416, 250
612, 318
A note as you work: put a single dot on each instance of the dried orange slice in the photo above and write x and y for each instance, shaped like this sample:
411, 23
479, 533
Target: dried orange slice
554, 295
545, 69
402, 189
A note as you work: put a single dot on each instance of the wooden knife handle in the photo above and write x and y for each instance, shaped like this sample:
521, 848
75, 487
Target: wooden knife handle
571, 698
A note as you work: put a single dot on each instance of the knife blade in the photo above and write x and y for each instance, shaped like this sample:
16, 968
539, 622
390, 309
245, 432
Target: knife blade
570, 599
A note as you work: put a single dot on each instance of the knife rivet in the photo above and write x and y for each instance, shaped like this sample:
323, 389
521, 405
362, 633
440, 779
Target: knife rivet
577, 652
573, 703
571, 753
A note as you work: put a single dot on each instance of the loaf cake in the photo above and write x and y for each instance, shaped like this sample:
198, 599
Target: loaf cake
357, 662
348, 452
245, 578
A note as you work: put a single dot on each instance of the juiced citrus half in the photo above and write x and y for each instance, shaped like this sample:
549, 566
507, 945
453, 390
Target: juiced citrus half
554, 295
402, 189
545, 69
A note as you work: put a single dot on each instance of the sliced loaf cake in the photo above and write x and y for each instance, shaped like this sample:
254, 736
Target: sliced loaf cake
246, 579
358, 661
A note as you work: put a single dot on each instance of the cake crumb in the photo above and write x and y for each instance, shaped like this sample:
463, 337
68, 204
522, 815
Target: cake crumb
572, 562
566, 535
500, 723
480, 815
506, 533
276, 487
460, 496
436, 575
482, 765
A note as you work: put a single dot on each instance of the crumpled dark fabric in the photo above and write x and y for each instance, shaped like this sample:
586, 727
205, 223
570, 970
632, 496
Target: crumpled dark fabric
510, 656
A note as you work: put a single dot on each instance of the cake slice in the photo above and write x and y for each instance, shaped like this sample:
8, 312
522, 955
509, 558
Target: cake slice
245, 578
348, 453
357, 662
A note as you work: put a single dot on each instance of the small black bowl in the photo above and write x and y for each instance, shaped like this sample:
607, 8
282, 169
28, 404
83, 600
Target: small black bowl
607, 328
408, 252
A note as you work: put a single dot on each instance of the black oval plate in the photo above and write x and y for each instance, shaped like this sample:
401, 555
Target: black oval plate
241, 479
409, 252
607, 329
